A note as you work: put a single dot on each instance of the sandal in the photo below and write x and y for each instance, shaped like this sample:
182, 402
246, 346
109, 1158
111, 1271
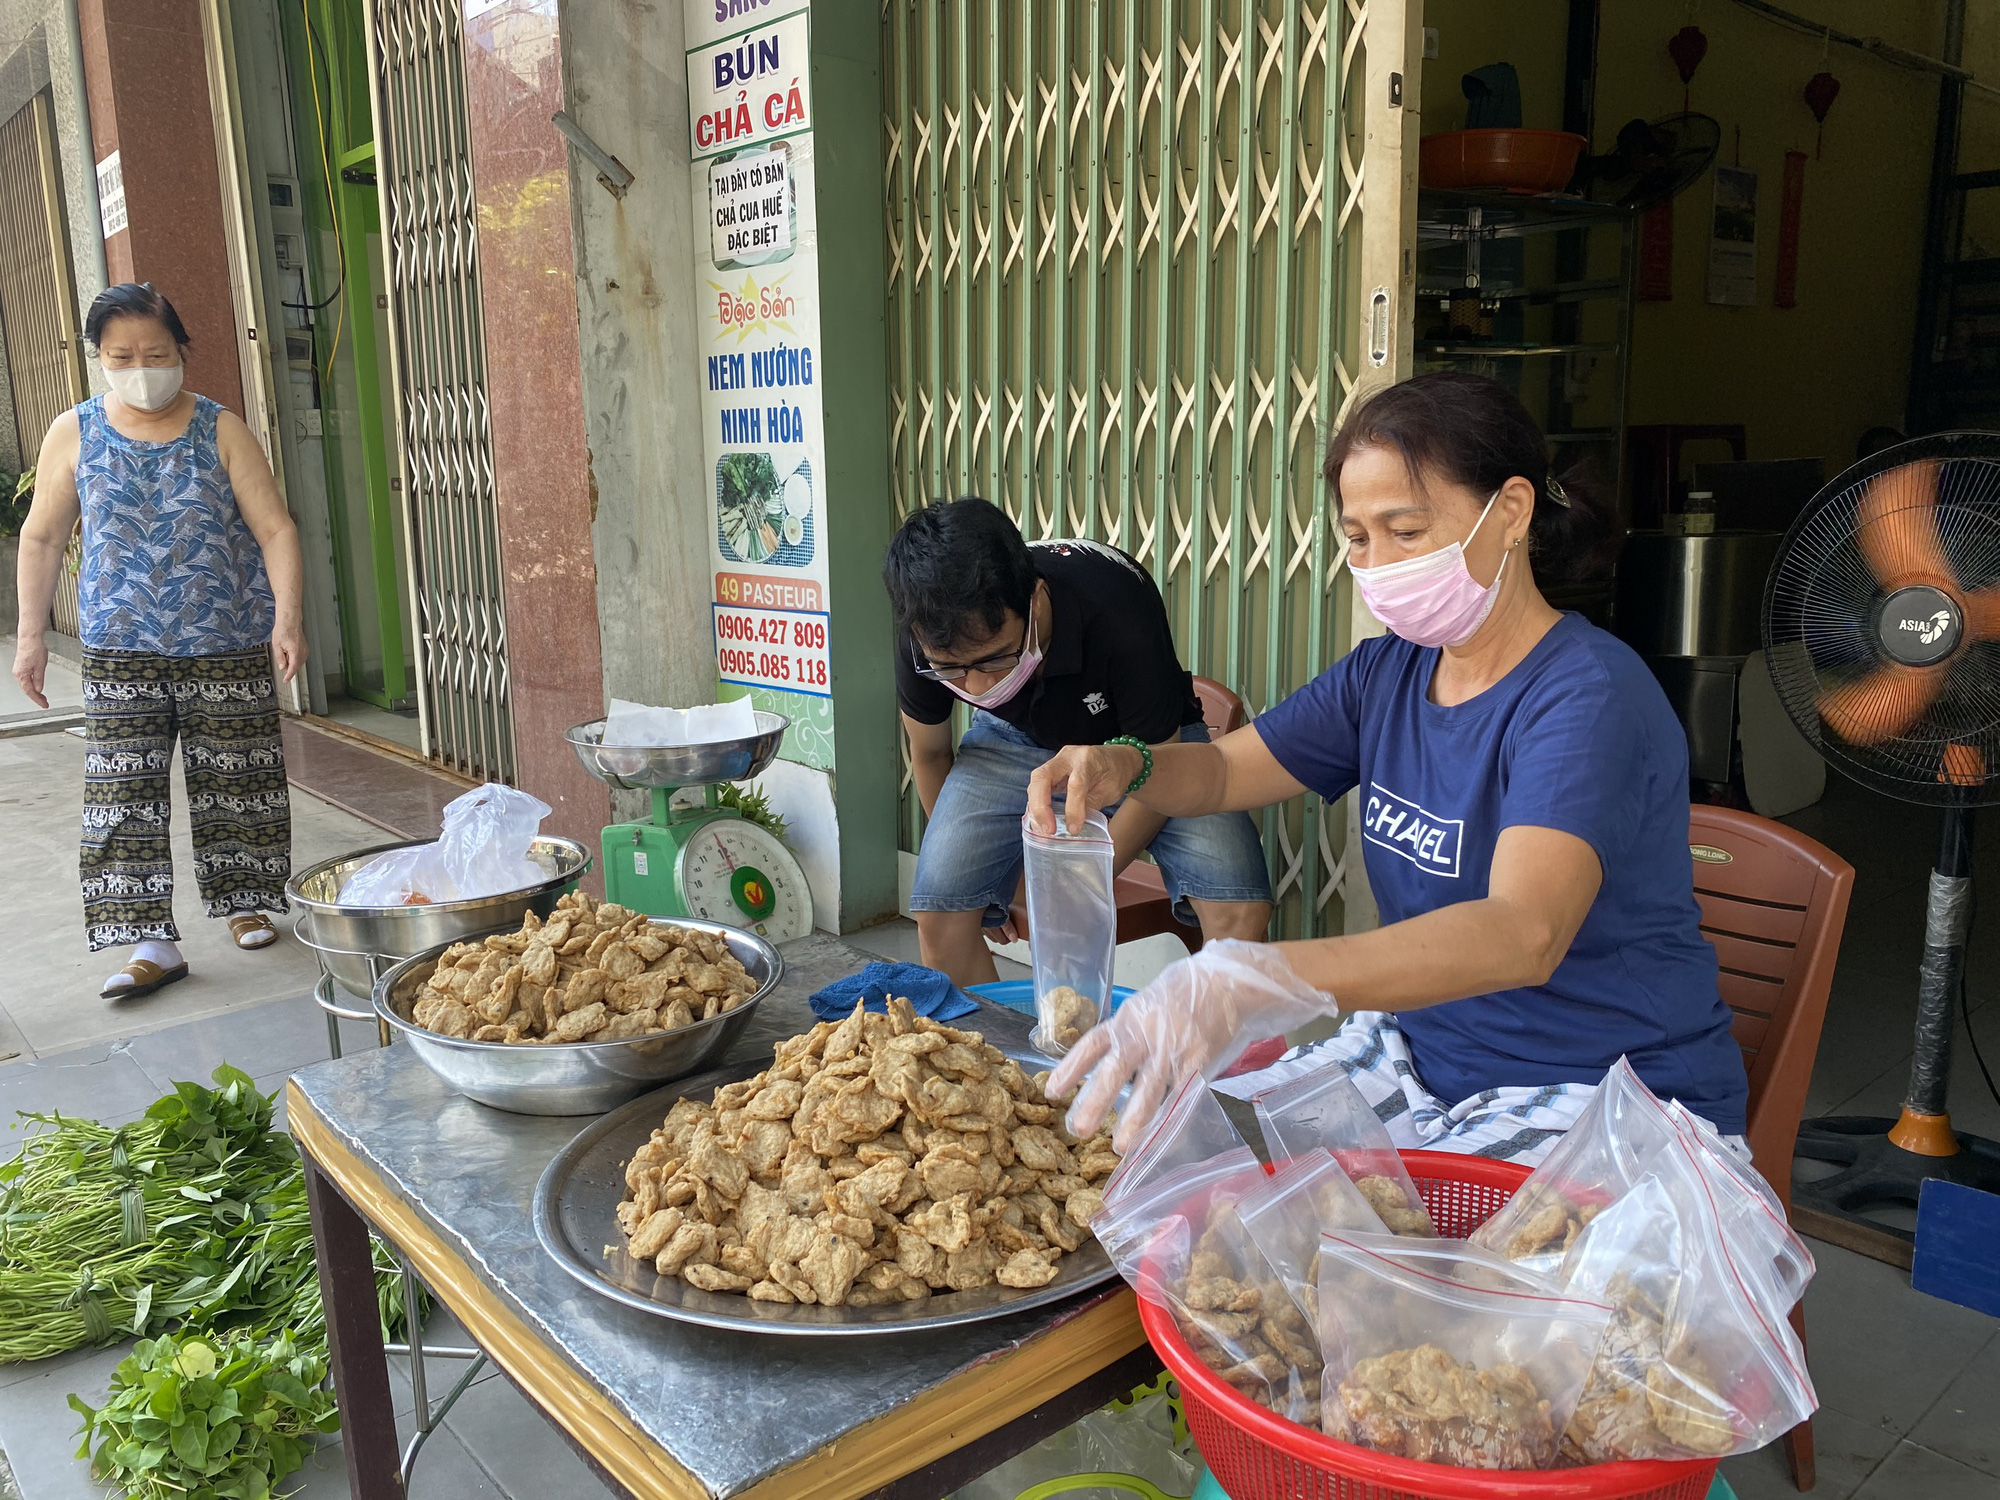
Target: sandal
146, 977
252, 929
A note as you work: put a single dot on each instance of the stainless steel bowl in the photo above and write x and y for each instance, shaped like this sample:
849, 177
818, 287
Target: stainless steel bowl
356, 944
639, 767
574, 1078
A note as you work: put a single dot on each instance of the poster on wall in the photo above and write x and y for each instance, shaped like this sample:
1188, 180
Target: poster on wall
1732, 241
1791, 202
757, 289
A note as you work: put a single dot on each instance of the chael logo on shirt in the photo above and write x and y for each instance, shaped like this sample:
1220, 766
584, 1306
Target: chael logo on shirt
1402, 827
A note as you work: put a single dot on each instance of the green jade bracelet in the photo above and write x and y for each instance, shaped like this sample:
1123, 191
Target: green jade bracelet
1145, 753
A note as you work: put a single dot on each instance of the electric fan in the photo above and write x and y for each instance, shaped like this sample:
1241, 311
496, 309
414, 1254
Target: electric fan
1652, 161
1882, 633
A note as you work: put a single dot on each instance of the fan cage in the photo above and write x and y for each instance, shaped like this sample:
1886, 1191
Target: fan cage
1821, 605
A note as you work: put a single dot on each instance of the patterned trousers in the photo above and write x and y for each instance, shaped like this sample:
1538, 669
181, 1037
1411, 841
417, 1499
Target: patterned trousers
224, 712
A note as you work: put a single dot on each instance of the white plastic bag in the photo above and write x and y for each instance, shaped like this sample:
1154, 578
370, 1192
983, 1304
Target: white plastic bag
1325, 1110
640, 725
482, 850
1072, 929
1442, 1352
1698, 1360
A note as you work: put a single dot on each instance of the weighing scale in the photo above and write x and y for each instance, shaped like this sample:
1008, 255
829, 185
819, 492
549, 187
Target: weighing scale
697, 860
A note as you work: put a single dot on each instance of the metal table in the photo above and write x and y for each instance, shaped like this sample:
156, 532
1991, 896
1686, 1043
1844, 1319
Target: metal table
661, 1408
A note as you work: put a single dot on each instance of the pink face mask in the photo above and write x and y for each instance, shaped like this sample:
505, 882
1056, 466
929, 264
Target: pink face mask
1432, 600
1009, 686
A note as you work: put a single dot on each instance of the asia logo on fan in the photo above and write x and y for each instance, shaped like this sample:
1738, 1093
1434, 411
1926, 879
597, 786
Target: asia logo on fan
1429, 842
1928, 630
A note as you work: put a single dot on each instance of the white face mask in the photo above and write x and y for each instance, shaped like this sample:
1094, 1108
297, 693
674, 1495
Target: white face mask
146, 387
1432, 600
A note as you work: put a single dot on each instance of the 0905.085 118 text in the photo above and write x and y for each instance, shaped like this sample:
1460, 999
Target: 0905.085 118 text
772, 648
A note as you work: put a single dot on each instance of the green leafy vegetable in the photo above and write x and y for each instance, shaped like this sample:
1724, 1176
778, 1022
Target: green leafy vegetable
755, 807
190, 1419
193, 1218
751, 504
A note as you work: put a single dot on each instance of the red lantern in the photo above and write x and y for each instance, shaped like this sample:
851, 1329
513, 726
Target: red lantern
1687, 48
1821, 90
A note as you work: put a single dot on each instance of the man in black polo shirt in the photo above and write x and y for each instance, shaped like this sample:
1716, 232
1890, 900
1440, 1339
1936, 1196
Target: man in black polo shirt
1059, 643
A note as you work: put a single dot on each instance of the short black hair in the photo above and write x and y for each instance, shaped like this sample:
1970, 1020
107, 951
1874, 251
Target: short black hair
954, 570
132, 299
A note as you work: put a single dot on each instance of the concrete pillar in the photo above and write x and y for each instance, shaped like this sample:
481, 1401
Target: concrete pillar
146, 75
527, 265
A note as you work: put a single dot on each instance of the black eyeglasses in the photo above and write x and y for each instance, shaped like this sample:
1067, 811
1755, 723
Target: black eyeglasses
992, 666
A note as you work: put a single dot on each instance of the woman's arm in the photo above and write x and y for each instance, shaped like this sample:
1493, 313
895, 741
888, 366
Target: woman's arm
263, 510
1203, 1010
1538, 892
51, 519
1234, 774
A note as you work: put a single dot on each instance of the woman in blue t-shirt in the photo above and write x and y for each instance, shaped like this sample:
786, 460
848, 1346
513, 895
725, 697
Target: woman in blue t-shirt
1523, 815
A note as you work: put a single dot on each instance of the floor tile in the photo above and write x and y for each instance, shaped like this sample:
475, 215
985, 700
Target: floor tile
1881, 1352
1845, 1452
40, 790
1964, 1425
39, 1431
273, 1038
446, 1470
100, 1080
1914, 1473
512, 1439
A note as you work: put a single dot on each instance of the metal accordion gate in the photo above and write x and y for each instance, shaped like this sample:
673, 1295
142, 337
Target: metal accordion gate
1124, 303
42, 337
438, 357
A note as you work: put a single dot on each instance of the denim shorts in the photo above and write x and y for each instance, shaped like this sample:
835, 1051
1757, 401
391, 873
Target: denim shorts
971, 858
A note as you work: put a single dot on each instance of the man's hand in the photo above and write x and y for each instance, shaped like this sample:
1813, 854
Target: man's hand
1087, 777
31, 667
288, 648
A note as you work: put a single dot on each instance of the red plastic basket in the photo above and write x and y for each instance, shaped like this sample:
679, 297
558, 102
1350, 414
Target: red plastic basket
1257, 1455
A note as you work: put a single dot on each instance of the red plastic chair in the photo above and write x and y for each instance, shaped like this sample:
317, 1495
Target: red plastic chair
1773, 902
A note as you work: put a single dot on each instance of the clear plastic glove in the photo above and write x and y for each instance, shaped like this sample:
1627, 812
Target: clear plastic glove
1196, 1017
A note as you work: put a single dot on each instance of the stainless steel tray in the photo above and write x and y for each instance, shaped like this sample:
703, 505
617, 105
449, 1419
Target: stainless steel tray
576, 1204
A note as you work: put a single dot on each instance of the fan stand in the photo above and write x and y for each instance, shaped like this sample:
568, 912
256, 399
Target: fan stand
1884, 1163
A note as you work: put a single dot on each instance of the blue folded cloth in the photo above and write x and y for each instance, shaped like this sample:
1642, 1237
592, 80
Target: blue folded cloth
929, 992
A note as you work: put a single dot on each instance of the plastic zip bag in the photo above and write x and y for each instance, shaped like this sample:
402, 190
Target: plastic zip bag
1753, 1219
1072, 929
1622, 1129
1171, 1225
481, 850
1698, 1360
1288, 1212
1192, 1131
1325, 1110
1181, 1243
1445, 1353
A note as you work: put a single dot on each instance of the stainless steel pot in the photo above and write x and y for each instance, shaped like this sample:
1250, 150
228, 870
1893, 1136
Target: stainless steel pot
356, 944
574, 1078
1694, 595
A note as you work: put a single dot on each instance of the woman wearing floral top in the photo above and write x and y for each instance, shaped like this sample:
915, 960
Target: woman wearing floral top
188, 596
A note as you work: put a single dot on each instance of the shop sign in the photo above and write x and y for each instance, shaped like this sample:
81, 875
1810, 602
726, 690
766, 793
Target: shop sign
751, 88
757, 296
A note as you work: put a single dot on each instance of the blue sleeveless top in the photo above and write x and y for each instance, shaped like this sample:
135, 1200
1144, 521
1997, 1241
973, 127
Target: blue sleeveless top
169, 564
